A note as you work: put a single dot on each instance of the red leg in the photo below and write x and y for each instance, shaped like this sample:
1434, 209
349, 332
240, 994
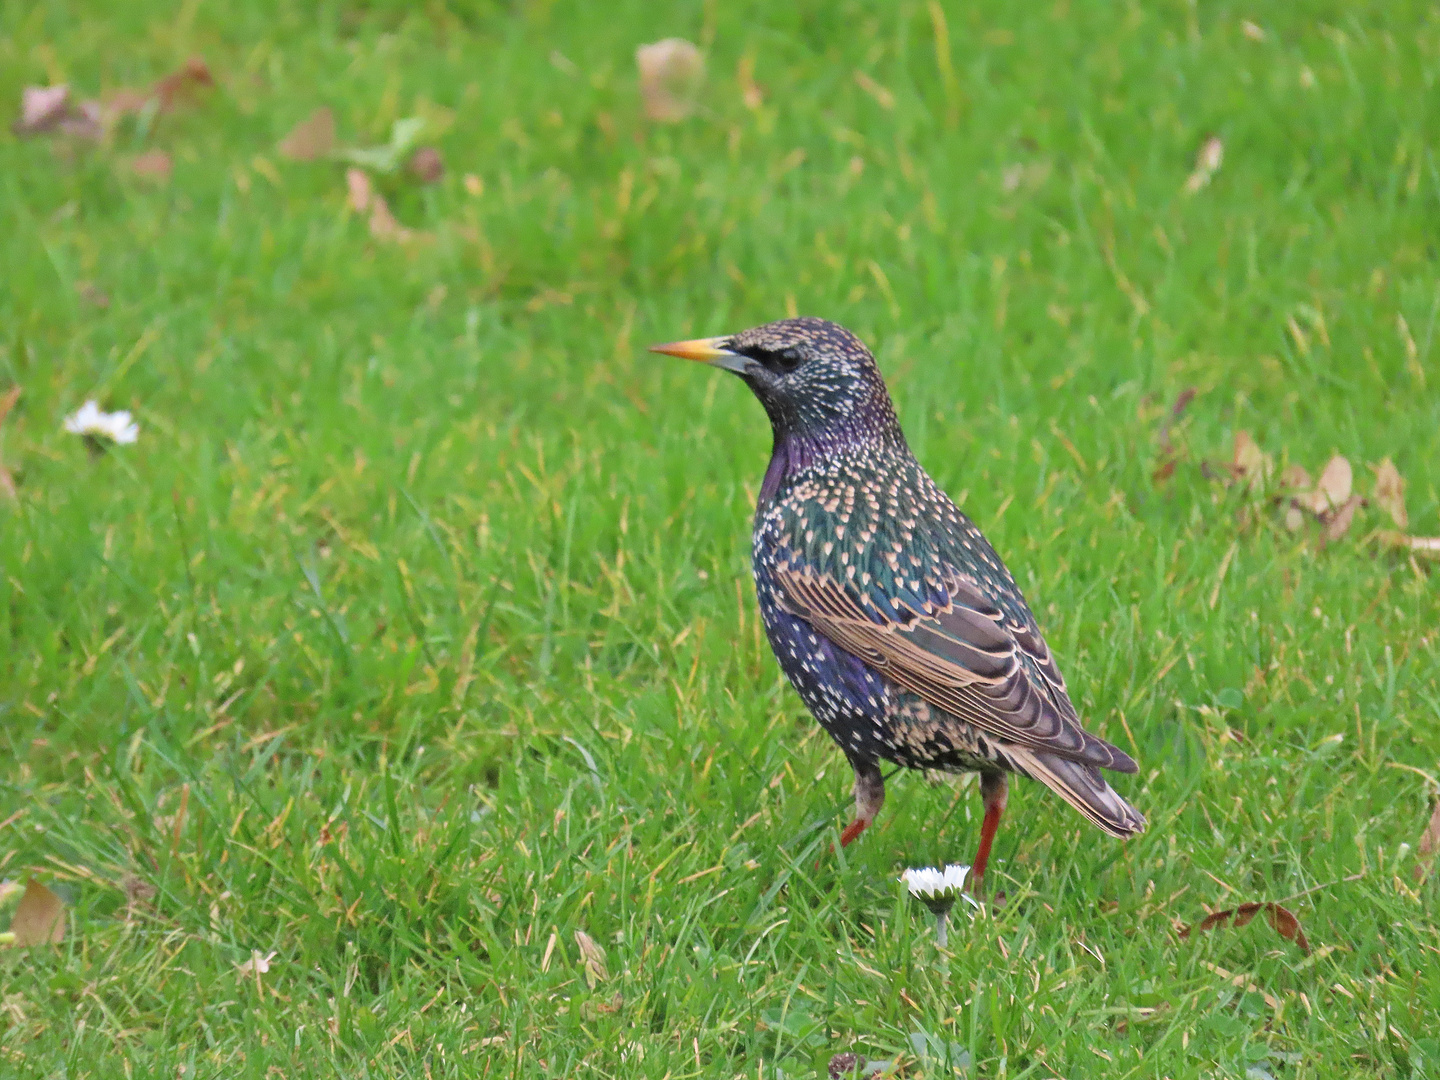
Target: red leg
854, 829
869, 797
993, 791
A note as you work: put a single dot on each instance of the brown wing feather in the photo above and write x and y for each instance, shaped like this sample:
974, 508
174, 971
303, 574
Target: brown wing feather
961, 658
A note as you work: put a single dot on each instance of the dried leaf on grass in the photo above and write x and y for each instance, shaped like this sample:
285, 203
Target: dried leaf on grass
152, 165
364, 199
1390, 492
1250, 464
257, 965
313, 137
593, 957
181, 83
427, 165
1429, 844
41, 108
671, 72
1338, 523
1207, 164
46, 109
1283, 920
1165, 468
39, 919
92, 294
1337, 481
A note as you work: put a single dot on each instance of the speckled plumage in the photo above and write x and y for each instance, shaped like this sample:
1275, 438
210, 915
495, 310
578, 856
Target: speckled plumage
892, 616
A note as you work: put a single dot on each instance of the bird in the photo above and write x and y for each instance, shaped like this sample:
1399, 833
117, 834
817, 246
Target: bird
889, 612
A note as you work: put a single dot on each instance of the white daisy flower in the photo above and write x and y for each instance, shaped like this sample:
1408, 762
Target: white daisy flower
938, 890
91, 422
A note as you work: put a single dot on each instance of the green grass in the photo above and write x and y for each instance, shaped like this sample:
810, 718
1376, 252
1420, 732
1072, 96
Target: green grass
416, 634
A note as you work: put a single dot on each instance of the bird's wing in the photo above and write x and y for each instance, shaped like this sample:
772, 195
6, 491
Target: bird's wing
959, 655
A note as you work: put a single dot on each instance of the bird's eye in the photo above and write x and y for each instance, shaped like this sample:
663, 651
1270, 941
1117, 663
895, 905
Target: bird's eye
780, 361
784, 361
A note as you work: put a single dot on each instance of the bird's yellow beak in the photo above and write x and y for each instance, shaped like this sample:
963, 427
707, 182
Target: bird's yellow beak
705, 350
702, 349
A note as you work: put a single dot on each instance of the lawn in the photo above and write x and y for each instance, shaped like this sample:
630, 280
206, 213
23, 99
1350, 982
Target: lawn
397, 705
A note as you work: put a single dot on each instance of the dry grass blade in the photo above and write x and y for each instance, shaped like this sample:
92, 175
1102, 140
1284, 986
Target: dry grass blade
1282, 919
1390, 492
1429, 844
40, 917
7, 481
593, 957
1207, 164
313, 137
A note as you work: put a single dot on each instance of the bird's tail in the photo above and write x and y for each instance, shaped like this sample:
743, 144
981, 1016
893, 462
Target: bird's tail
1082, 787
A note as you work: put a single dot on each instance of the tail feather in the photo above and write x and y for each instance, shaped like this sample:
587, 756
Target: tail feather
1083, 787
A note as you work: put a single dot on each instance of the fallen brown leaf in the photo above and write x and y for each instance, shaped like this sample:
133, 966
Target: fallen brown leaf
40, 917
359, 189
1249, 463
257, 965
1284, 921
1295, 478
92, 294
42, 108
1338, 523
152, 165
180, 83
426, 165
1390, 492
1429, 844
1337, 481
125, 101
671, 72
593, 957
1168, 456
313, 137
48, 108
364, 199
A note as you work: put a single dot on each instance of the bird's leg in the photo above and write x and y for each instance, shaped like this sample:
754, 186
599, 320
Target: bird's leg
993, 790
869, 797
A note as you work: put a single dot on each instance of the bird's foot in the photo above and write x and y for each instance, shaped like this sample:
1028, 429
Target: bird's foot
854, 829
847, 837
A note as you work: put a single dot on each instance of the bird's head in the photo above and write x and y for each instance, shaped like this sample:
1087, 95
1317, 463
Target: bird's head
814, 377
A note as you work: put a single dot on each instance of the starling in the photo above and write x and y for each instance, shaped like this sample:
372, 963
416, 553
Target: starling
891, 615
